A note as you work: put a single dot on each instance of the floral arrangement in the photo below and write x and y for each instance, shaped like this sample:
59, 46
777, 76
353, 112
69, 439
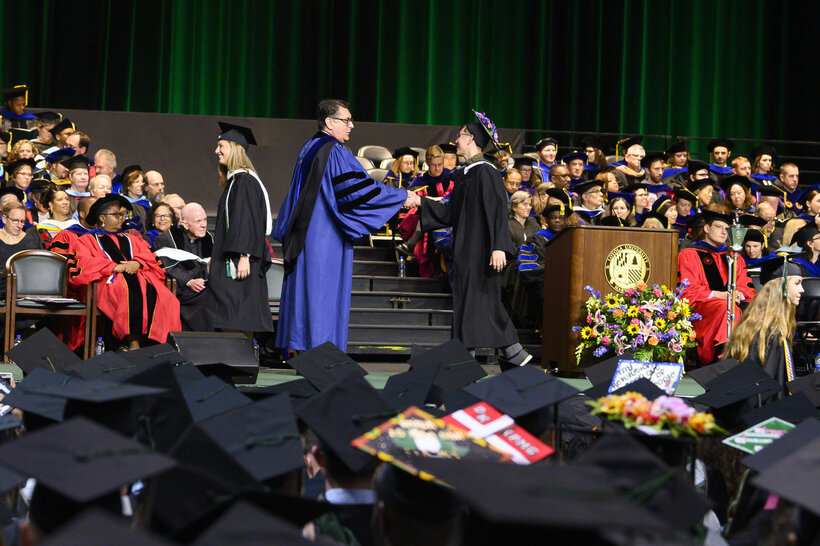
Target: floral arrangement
663, 413
488, 124
651, 321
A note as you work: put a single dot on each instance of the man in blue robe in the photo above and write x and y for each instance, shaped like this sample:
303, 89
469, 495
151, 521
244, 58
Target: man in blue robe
14, 115
331, 202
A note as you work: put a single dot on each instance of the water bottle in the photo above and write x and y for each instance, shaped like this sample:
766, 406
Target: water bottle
256, 350
18, 339
817, 363
99, 347
402, 267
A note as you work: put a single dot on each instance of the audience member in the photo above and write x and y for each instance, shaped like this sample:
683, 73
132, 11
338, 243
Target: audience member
79, 142
99, 186
592, 200
631, 172
720, 150
576, 162
61, 131
741, 166
763, 167
20, 173
738, 195
404, 169
14, 115
595, 148
176, 203
13, 238
105, 162
133, 183
59, 214
154, 187
45, 122
161, 220
547, 149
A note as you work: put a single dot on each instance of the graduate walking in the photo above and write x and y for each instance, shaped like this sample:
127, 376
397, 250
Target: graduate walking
477, 212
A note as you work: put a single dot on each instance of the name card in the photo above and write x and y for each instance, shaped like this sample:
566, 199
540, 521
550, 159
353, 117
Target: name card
664, 375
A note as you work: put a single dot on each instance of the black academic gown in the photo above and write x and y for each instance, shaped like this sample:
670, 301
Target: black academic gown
193, 305
240, 304
477, 212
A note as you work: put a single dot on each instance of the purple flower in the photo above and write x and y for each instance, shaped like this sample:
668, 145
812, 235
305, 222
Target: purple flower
600, 351
695, 316
576, 329
634, 301
639, 339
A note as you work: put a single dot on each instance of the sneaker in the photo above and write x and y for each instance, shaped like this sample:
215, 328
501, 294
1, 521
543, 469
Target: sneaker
520, 358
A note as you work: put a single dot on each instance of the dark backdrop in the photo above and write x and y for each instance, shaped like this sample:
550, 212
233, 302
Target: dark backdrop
741, 68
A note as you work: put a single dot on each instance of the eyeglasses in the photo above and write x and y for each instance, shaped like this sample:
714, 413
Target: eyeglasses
462, 134
346, 121
13, 221
162, 216
119, 215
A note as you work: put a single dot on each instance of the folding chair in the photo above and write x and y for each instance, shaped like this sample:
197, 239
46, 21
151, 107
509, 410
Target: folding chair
274, 277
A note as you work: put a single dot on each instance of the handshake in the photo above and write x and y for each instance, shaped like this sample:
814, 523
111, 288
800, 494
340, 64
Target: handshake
413, 200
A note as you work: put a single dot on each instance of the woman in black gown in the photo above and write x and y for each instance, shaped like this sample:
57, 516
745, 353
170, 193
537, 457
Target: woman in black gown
241, 255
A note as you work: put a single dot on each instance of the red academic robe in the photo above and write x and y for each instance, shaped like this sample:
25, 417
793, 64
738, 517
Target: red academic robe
708, 272
136, 304
65, 243
424, 250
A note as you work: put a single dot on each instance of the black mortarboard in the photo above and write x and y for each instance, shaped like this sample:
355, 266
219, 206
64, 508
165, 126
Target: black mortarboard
456, 400
448, 148
164, 352
750, 220
584, 187
187, 373
679, 146
9, 421
559, 193
692, 221
804, 234
244, 523
729, 392
482, 138
793, 477
42, 350
423, 499
703, 374
725, 142
523, 161
14, 165
727, 183
129, 169
648, 159
18, 134
604, 371
521, 391
15, 191
457, 368
694, 166
405, 150
623, 463
14, 91
411, 388
211, 396
299, 390
38, 410
685, 194
575, 154
565, 211
5, 136
711, 216
96, 208
62, 125
48, 117
344, 411
657, 216
612, 221
793, 440
77, 162
95, 527
595, 142
41, 185
795, 409
770, 191
754, 235
108, 366
626, 196
641, 386
773, 269
808, 385
324, 365
544, 142
81, 459
236, 133
261, 437
763, 149
626, 143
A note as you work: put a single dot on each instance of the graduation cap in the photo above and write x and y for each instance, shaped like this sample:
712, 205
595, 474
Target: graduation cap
809, 385
411, 388
684, 194
38, 410
479, 134
763, 149
95, 527
624, 144
729, 393
712, 216
448, 148
342, 412
405, 150
727, 183
58, 155
584, 187
657, 216
725, 142
561, 194
544, 142
524, 161
61, 126
625, 464
703, 374
604, 371
795, 409
773, 269
9, 421
129, 169
565, 211
793, 477
521, 391
595, 142
804, 234
750, 220
77, 162
457, 368
15, 91
626, 196
15, 165
679, 146
18, 134
81, 459
324, 365
613, 220
641, 386
649, 159
299, 390
98, 206
575, 154
5, 136
42, 350
754, 235
163, 352
48, 117
41, 185
211, 396
244, 523
695, 166
422, 499
236, 133
770, 191
790, 442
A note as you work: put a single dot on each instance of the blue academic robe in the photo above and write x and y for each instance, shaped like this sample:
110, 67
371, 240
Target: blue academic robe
339, 204
720, 170
545, 170
809, 269
670, 172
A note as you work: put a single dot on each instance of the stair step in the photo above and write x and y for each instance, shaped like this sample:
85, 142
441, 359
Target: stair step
375, 267
408, 317
397, 333
400, 284
412, 300
379, 253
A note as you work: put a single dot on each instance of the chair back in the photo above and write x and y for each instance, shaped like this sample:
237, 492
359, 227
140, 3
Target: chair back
374, 153
377, 174
387, 163
365, 163
811, 288
38, 272
275, 276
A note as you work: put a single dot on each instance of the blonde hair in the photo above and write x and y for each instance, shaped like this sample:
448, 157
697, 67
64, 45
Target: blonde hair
14, 153
769, 314
432, 153
653, 223
237, 160
395, 168
517, 198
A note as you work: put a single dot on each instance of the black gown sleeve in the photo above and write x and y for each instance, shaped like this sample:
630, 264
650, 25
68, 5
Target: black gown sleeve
246, 218
494, 202
435, 214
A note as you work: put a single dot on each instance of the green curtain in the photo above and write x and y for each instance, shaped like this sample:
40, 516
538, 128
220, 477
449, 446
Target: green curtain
679, 67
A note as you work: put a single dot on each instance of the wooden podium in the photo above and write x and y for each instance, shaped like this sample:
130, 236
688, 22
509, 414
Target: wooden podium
609, 259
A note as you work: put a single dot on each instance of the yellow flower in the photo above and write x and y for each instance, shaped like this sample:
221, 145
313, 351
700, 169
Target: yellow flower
660, 324
611, 302
633, 311
684, 337
665, 290
685, 311
587, 332
632, 329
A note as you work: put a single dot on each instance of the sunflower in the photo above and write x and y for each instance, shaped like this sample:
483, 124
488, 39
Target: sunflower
632, 329
587, 332
633, 311
612, 302
685, 311
660, 324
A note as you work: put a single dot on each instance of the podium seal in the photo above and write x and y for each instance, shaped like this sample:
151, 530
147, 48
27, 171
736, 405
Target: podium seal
626, 266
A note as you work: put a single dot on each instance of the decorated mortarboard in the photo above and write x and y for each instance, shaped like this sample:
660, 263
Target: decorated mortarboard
405, 150
18, 134
792, 441
713, 216
236, 133
58, 155
584, 187
695, 166
485, 131
342, 412
524, 161
729, 394
595, 142
623, 462
793, 477
411, 388
679, 146
15, 91
727, 183
727, 143
809, 385
324, 365
794, 409
14, 165
763, 149
48, 117
544, 142
559, 193
604, 371
61, 126
76, 162
649, 159
448, 148
42, 350
81, 459
96, 527
243, 523
210, 397
575, 154
457, 368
